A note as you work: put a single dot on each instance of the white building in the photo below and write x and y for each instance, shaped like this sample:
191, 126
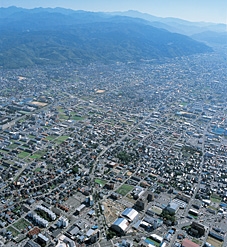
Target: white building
62, 222
48, 211
130, 214
40, 221
120, 225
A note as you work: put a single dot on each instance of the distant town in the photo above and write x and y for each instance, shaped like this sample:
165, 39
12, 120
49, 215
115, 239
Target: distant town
128, 154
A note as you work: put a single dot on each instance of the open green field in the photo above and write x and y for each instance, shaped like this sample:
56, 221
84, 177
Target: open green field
124, 189
21, 224
100, 181
60, 109
38, 155
23, 155
63, 116
38, 169
13, 146
61, 139
50, 138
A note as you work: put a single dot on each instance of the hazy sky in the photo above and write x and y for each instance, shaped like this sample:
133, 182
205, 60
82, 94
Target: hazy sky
192, 10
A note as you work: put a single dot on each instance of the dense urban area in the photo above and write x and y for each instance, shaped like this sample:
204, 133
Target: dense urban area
127, 154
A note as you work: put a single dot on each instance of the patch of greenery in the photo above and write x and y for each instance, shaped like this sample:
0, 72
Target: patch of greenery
124, 189
13, 231
38, 155
96, 39
23, 155
61, 139
124, 157
21, 224
215, 198
50, 138
100, 181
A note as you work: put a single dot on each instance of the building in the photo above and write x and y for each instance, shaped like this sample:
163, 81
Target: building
120, 225
80, 209
172, 208
197, 229
188, 243
193, 212
156, 238
48, 211
34, 232
62, 222
141, 203
130, 214
143, 199
31, 243
197, 204
154, 222
124, 243
38, 220
109, 186
183, 197
42, 239
64, 241
92, 235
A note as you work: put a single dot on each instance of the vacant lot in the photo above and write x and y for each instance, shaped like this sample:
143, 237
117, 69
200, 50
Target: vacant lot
13, 231
214, 242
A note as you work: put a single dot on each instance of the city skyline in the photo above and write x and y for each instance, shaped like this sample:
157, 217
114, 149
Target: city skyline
193, 10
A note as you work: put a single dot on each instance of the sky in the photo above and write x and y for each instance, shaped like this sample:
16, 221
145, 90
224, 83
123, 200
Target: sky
192, 10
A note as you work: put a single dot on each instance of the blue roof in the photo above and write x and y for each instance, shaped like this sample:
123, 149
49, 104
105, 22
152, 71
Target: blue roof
127, 211
223, 205
137, 224
118, 221
173, 205
148, 241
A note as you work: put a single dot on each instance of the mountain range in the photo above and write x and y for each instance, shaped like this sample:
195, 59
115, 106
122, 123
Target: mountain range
54, 36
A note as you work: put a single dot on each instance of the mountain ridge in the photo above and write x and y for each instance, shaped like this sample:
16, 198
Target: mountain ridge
29, 38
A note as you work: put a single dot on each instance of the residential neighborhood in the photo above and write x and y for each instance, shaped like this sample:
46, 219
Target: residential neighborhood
132, 154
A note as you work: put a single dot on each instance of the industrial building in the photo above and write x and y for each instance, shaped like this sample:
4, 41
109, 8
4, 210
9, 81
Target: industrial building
130, 213
80, 209
120, 225
154, 222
